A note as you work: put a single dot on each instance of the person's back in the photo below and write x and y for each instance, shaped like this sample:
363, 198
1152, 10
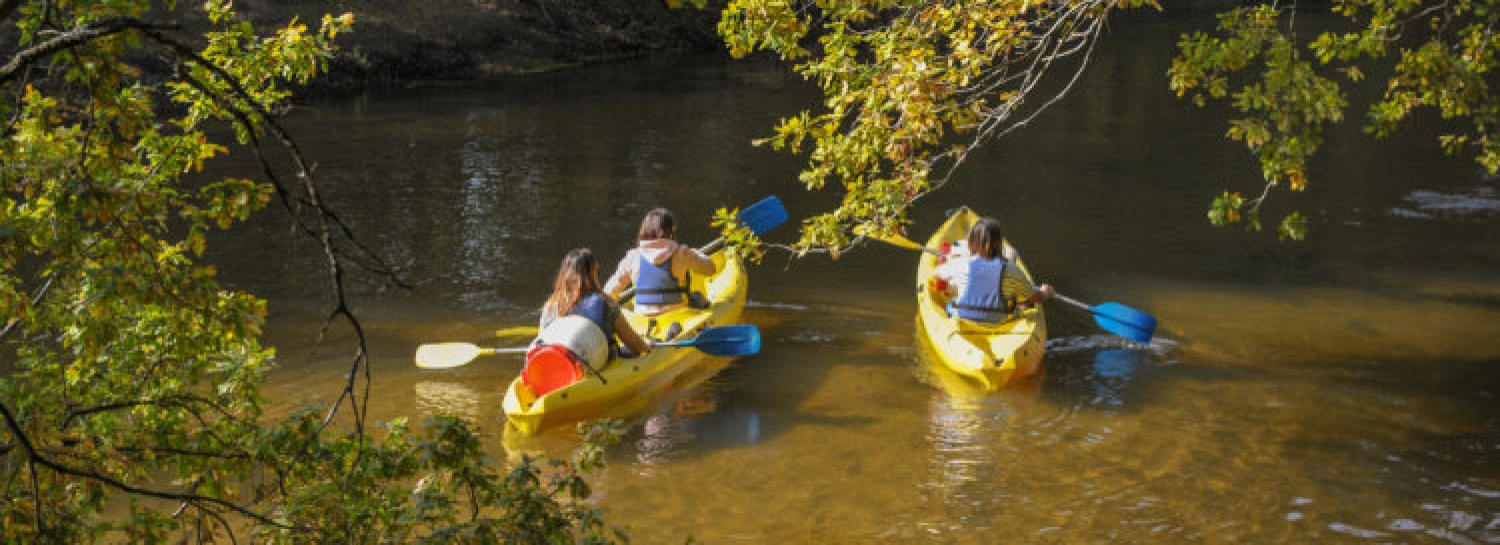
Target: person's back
576, 293
983, 297
659, 267
989, 284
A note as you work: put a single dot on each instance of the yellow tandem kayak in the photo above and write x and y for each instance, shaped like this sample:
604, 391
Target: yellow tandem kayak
628, 385
991, 354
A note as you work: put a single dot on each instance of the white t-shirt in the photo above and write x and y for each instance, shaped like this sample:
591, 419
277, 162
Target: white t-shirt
955, 271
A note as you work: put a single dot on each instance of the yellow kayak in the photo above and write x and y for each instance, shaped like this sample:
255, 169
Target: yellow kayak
991, 354
629, 385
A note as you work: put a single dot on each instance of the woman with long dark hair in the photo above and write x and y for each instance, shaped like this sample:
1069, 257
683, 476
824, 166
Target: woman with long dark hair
576, 292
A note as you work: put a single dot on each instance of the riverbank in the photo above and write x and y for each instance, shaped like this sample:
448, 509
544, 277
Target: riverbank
396, 42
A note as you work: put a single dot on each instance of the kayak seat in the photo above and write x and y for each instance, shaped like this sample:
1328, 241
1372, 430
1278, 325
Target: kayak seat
550, 367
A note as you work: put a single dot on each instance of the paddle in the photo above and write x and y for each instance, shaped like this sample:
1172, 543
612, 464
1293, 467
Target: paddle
730, 340
759, 217
1118, 319
518, 331
446, 355
1113, 317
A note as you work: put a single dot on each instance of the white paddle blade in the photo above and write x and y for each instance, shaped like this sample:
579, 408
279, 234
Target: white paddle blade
446, 355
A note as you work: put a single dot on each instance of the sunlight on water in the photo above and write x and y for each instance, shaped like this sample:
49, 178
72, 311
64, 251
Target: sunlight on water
1291, 326
1424, 204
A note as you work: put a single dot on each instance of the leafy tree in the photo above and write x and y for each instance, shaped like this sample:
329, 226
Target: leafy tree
1446, 54
909, 90
129, 379
911, 87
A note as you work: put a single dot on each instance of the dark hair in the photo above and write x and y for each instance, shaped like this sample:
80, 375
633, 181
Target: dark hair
986, 239
657, 224
578, 276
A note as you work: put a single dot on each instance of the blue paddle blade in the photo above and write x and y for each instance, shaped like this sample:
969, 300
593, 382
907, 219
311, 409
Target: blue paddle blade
1125, 321
730, 340
764, 215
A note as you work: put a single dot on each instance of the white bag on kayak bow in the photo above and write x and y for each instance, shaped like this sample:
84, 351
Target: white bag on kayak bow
581, 336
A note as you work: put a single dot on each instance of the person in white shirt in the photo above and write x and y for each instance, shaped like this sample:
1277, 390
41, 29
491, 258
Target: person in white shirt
988, 284
659, 267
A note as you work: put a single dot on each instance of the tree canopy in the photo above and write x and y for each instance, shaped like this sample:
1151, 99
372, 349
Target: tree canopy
129, 404
910, 88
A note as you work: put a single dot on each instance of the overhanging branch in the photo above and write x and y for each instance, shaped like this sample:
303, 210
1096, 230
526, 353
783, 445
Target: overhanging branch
74, 37
34, 456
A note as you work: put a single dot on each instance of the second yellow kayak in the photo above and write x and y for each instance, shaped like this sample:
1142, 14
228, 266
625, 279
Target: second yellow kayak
990, 354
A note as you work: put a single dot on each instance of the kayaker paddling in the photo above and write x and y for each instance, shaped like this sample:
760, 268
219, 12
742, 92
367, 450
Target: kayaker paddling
659, 267
992, 353
989, 287
580, 317
627, 387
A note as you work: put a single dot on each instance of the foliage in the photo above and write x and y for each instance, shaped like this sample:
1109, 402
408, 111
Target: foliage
909, 89
437, 488
1446, 56
130, 376
738, 237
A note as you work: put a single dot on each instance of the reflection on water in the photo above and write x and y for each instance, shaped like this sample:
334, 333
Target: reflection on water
1477, 204
1113, 369
435, 398
694, 421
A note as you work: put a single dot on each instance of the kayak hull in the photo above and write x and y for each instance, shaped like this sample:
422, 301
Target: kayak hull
992, 355
630, 386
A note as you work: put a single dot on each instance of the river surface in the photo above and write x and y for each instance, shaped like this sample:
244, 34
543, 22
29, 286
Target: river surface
1341, 389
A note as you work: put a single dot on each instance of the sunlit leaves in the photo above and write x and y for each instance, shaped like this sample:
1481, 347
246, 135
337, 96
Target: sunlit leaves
1286, 105
131, 366
901, 81
738, 238
1293, 227
1226, 209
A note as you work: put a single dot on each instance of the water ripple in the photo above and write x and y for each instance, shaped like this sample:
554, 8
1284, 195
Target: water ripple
1432, 204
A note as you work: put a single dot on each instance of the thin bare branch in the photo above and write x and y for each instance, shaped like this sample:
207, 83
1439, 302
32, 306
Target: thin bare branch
34, 456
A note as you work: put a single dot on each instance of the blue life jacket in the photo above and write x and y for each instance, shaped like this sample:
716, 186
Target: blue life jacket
597, 309
655, 285
983, 299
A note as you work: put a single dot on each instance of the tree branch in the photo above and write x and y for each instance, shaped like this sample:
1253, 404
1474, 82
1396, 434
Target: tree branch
35, 457
74, 37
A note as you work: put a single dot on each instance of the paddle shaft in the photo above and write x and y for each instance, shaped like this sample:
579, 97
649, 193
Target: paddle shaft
759, 217
913, 245
1113, 317
1074, 302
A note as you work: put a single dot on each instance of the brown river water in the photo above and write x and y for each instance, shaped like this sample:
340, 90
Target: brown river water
1341, 389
